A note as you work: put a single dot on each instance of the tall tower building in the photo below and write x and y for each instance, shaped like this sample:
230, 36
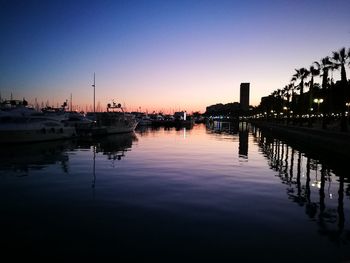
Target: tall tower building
244, 96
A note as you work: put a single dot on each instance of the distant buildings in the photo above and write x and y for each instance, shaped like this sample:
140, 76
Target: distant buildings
222, 109
180, 115
244, 96
233, 109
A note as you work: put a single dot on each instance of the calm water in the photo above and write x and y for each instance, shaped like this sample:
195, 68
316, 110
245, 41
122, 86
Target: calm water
218, 194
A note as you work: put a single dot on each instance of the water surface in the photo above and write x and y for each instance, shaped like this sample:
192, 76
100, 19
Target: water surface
219, 193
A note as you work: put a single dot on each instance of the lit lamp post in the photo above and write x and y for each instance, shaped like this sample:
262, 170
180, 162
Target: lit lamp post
285, 113
318, 101
347, 105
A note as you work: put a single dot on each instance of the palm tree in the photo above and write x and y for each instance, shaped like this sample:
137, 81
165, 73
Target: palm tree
301, 74
324, 66
286, 94
340, 58
314, 71
292, 87
332, 68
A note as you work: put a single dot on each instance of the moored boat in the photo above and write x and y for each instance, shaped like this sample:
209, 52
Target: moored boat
144, 120
19, 129
20, 123
114, 121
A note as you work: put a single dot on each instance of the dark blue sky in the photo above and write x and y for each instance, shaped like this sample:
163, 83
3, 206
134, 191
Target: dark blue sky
160, 53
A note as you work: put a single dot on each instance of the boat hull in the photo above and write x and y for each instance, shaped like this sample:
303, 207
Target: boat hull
38, 133
113, 123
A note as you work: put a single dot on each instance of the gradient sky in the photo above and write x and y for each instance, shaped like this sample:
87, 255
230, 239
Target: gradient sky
162, 55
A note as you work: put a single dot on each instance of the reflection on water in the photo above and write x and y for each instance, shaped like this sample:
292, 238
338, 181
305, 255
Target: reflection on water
243, 140
311, 184
217, 192
21, 158
223, 127
233, 128
113, 146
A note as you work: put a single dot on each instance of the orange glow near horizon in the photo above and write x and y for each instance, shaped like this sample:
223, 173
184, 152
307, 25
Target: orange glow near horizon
189, 102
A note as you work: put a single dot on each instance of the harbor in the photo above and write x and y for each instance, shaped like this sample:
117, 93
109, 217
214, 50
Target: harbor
175, 131
19, 122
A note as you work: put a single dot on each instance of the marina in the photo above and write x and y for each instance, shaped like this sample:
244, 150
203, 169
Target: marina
175, 131
20, 123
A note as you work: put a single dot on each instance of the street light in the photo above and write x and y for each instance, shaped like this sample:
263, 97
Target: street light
318, 101
347, 105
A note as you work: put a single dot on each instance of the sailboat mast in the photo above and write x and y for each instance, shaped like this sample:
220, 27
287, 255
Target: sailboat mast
94, 92
71, 102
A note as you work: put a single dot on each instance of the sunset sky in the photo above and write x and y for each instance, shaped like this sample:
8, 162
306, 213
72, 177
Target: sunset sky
162, 55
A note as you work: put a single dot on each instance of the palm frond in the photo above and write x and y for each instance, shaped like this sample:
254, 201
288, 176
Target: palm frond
342, 53
336, 56
335, 66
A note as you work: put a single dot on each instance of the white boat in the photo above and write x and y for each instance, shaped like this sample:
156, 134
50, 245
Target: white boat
20, 123
59, 114
14, 129
78, 120
144, 120
115, 120
16, 108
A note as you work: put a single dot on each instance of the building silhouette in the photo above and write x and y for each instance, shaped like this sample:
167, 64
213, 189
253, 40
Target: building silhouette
244, 96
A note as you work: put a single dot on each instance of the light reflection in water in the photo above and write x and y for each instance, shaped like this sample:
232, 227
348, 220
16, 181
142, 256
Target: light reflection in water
228, 185
308, 181
309, 184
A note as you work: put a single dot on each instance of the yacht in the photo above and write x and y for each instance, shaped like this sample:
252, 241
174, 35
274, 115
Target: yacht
144, 120
115, 120
18, 129
78, 120
20, 123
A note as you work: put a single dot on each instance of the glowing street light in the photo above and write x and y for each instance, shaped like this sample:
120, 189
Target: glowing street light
318, 101
347, 105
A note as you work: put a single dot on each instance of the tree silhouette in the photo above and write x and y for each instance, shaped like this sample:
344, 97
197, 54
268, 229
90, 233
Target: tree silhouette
340, 58
301, 74
335, 94
314, 71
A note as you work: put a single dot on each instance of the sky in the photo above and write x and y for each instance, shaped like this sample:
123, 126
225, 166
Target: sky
162, 55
